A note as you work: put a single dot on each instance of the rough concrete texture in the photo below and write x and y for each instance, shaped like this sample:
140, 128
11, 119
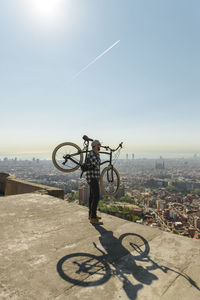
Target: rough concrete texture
49, 250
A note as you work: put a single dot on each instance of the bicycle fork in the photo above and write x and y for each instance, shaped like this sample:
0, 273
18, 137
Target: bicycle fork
110, 175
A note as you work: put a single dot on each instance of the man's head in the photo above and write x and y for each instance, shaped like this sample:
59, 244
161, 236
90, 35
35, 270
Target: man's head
96, 145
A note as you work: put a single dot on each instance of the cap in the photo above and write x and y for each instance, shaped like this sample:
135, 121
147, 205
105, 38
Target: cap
95, 142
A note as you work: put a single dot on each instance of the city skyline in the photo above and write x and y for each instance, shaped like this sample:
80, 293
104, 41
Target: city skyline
123, 155
144, 91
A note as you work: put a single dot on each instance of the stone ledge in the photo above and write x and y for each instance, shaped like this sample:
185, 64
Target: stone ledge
9, 185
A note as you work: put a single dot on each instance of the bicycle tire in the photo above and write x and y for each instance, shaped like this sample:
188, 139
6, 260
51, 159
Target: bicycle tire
83, 260
58, 165
102, 184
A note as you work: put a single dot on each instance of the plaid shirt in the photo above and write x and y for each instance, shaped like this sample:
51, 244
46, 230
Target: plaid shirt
94, 160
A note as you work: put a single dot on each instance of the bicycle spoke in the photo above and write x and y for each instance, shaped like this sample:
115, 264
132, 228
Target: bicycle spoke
67, 157
110, 182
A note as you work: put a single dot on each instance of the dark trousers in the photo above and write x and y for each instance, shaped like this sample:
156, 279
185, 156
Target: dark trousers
94, 197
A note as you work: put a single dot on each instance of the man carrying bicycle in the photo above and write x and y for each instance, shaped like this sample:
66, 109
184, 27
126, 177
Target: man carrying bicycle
92, 177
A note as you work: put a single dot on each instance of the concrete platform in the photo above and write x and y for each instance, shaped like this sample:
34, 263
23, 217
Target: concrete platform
49, 250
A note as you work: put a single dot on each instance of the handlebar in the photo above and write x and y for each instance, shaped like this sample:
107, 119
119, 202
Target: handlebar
87, 139
108, 148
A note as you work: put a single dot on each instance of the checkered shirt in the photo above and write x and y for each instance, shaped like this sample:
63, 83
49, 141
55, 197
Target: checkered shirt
94, 160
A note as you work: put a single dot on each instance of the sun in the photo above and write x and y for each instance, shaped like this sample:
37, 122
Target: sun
46, 11
46, 8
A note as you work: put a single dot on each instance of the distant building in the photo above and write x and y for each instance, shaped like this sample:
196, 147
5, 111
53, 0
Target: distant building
160, 204
133, 155
196, 156
84, 193
197, 222
172, 214
121, 191
178, 225
137, 211
166, 213
186, 185
126, 156
160, 165
155, 183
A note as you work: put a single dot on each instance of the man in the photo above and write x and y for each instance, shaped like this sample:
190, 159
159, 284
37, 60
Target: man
92, 177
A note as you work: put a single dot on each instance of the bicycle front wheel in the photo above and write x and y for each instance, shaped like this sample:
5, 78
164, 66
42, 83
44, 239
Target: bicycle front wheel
110, 181
67, 157
84, 269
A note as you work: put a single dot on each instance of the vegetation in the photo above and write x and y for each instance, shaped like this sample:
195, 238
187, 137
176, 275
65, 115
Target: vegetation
171, 188
126, 198
120, 211
196, 191
139, 187
72, 196
135, 218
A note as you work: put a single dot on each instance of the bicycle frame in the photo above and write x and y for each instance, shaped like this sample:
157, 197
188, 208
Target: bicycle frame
69, 156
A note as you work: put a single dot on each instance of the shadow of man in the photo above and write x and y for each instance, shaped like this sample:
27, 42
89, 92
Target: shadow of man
123, 262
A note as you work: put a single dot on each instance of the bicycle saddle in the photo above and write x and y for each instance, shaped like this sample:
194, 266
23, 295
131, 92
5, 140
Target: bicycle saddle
86, 138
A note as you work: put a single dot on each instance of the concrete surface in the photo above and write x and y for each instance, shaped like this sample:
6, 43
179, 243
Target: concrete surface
49, 250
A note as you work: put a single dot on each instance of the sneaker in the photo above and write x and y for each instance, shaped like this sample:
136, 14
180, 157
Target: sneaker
95, 221
96, 217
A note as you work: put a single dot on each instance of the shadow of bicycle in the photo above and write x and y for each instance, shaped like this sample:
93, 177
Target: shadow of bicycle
117, 258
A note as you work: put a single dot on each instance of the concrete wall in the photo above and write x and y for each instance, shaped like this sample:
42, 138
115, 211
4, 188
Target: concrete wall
9, 185
3, 177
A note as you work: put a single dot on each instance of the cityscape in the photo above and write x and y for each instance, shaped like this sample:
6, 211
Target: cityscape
161, 193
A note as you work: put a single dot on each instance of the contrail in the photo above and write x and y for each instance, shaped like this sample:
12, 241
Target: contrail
94, 60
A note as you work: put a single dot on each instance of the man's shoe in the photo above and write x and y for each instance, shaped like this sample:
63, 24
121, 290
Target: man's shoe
96, 217
95, 221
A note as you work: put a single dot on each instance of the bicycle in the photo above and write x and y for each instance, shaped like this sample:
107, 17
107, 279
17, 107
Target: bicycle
68, 157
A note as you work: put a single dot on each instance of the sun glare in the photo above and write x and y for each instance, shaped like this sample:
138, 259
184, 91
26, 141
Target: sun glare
47, 12
46, 8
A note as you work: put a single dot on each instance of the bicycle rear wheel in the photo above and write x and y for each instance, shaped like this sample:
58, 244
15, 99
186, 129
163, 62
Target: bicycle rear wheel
110, 181
136, 244
67, 157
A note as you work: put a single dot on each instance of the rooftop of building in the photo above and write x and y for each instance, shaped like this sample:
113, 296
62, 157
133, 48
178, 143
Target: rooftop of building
49, 250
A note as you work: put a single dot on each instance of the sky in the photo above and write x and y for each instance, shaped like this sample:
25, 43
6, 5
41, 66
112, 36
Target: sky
114, 70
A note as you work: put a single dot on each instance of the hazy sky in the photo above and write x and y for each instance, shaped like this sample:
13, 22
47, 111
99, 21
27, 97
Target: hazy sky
55, 85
